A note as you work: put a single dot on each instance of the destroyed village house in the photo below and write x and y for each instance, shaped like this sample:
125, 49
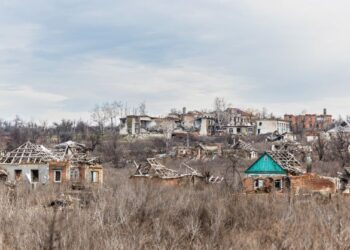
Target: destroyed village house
343, 127
245, 149
136, 124
154, 171
28, 162
199, 123
238, 122
310, 121
269, 126
205, 124
271, 172
75, 163
38, 164
280, 172
195, 121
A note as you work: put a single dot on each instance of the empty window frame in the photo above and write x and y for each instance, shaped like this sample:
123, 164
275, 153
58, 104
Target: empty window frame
74, 174
258, 184
18, 174
35, 175
57, 176
278, 184
94, 176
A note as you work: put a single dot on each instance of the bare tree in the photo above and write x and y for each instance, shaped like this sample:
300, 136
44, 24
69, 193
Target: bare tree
99, 117
142, 108
320, 147
168, 128
219, 109
112, 151
111, 111
64, 130
341, 143
233, 177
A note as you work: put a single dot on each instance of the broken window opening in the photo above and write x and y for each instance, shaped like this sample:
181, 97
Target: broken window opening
278, 184
18, 174
74, 174
258, 184
57, 175
94, 176
35, 175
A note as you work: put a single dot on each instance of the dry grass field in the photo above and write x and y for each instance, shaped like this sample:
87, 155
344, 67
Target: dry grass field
125, 214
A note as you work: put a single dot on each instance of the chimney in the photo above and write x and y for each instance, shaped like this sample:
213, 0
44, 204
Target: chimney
184, 110
324, 111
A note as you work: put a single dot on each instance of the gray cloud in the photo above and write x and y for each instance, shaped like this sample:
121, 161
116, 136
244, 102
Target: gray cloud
287, 56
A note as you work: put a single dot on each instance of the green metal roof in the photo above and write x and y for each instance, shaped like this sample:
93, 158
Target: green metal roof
265, 165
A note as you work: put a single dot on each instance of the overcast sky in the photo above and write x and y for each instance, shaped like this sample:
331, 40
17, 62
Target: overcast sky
60, 58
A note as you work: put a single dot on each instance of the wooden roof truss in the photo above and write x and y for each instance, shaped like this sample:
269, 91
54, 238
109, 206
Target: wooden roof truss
287, 161
28, 153
154, 168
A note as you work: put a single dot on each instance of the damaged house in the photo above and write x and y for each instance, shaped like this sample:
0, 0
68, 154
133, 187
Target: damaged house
156, 172
193, 122
74, 165
238, 122
38, 164
28, 162
271, 171
196, 122
136, 124
245, 149
280, 171
269, 126
310, 122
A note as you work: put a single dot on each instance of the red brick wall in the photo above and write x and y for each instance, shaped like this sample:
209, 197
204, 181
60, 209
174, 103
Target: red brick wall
312, 183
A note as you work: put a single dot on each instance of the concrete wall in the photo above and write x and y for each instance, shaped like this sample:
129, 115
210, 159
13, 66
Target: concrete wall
204, 127
233, 130
270, 126
26, 171
123, 130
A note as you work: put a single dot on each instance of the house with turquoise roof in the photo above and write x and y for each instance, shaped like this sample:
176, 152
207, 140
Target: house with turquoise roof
271, 172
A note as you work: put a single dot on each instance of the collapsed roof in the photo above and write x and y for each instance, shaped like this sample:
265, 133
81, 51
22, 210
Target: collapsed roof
28, 153
343, 127
244, 146
287, 161
74, 152
155, 168
71, 144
